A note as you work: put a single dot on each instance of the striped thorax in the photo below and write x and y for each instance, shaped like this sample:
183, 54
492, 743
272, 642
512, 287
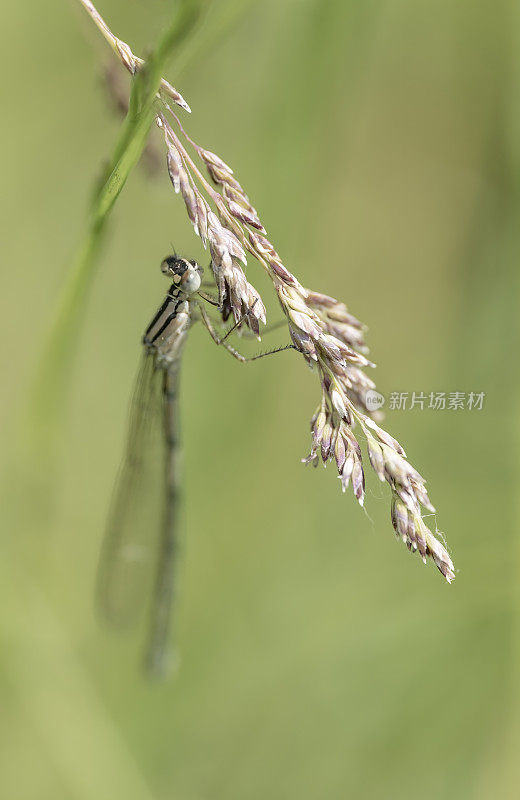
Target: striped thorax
166, 334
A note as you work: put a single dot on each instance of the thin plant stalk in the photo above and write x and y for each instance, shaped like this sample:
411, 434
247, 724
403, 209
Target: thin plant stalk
53, 376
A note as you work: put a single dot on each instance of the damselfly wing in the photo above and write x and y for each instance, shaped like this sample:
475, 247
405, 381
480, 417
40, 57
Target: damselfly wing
140, 545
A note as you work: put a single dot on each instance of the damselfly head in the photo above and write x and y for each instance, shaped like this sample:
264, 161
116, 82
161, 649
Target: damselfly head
185, 274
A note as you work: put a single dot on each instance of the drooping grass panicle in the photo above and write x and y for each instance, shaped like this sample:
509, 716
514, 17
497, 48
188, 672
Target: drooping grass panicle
321, 328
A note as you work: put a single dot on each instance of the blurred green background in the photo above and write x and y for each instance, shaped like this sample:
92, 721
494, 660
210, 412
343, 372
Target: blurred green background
380, 142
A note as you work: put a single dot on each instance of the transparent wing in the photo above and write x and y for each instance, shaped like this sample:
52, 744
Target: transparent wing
132, 538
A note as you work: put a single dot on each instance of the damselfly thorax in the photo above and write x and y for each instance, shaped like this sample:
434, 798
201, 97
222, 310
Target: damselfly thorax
166, 334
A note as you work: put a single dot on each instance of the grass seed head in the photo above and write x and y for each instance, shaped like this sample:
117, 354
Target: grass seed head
321, 328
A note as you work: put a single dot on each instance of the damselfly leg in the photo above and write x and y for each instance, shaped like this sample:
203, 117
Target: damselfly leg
235, 353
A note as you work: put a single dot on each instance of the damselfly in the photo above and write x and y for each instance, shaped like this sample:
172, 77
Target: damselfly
141, 538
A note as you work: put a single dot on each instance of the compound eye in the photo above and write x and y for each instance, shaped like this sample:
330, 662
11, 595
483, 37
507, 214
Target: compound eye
168, 265
191, 281
197, 267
